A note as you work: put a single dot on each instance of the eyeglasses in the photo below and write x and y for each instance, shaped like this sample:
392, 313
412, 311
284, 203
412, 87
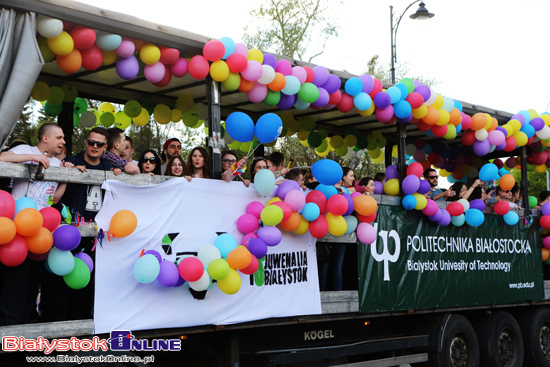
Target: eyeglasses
433, 177
229, 160
99, 144
151, 160
507, 191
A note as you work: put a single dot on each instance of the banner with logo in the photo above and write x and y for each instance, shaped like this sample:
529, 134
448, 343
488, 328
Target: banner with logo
416, 264
193, 214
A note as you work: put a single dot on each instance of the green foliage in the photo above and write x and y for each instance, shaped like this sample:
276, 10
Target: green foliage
288, 27
537, 181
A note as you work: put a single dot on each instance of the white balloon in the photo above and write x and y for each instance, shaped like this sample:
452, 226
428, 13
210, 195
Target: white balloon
544, 133
207, 253
268, 74
202, 284
432, 99
464, 203
49, 27
481, 134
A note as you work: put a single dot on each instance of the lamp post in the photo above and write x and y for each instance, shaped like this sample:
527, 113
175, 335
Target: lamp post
421, 14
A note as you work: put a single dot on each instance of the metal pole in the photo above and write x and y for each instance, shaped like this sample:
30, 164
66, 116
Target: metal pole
215, 142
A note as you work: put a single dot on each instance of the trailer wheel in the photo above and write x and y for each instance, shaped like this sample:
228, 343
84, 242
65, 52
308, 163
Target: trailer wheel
500, 340
535, 326
459, 347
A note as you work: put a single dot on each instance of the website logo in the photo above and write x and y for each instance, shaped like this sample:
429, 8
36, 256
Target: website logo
123, 340
386, 256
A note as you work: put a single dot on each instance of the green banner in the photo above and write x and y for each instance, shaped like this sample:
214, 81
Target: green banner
417, 264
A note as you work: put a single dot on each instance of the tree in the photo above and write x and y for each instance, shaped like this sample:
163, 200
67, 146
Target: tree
288, 27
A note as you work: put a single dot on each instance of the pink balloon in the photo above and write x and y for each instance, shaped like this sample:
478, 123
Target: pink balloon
7, 205
255, 208
431, 208
496, 137
258, 93
247, 237
241, 48
284, 67
300, 73
155, 72
179, 68
126, 48
213, 50
198, 67
546, 242
366, 233
296, 199
91, 58
253, 71
191, 269
247, 223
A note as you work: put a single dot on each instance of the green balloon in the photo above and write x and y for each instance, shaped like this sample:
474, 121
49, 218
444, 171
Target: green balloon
70, 92
408, 83
56, 96
323, 133
351, 131
371, 143
308, 93
132, 108
190, 118
76, 119
323, 147
362, 142
80, 105
107, 119
272, 98
306, 123
342, 151
532, 202
314, 139
53, 110
79, 277
149, 106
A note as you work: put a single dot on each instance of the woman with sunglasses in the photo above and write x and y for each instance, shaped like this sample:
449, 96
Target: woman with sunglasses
149, 163
198, 163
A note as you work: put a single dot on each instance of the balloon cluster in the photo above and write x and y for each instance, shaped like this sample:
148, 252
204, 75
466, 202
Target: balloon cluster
241, 128
545, 224
26, 231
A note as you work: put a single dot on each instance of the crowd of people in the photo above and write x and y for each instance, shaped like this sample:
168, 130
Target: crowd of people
111, 150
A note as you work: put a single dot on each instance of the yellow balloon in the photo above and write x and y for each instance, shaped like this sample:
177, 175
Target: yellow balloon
509, 130
257, 55
122, 121
444, 172
109, 57
273, 200
40, 91
438, 102
532, 113
378, 160
421, 201
368, 112
219, 71
303, 227
350, 140
62, 44
546, 119
185, 102
337, 225
394, 151
514, 124
444, 117
176, 115
521, 138
375, 153
106, 107
540, 168
162, 114
322, 154
391, 187
420, 112
143, 118
337, 141
149, 54
304, 143
231, 283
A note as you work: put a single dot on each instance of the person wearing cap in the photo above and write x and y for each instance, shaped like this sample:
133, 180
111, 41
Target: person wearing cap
171, 148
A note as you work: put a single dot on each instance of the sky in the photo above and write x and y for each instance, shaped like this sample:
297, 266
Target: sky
490, 53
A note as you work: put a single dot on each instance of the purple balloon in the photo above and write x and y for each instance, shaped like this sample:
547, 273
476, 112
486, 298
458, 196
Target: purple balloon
368, 83
257, 247
545, 209
481, 148
519, 117
378, 187
537, 123
127, 67
424, 187
285, 187
424, 91
332, 84
445, 218
323, 98
410, 185
320, 75
351, 205
382, 100
168, 274
406, 120
287, 101
270, 60
272, 236
437, 216
154, 253
66, 238
87, 260
477, 204
391, 172
179, 283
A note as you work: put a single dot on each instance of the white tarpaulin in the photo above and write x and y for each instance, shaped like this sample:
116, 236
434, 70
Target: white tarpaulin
197, 212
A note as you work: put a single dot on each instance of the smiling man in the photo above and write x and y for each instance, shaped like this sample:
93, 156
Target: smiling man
171, 148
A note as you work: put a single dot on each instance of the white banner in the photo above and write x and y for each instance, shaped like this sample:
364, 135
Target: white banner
196, 211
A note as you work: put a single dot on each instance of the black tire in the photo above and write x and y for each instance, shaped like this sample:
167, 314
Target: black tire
459, 347
535, 327
500, 340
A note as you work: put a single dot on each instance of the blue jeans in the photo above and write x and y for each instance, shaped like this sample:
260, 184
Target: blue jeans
334, 263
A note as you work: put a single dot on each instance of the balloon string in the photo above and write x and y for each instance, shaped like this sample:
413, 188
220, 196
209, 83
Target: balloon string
250, 153
300, 167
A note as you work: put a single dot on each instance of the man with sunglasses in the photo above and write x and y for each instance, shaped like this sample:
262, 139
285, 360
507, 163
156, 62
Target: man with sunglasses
58, 301
436, 194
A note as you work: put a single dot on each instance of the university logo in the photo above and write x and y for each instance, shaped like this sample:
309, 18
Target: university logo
386, 256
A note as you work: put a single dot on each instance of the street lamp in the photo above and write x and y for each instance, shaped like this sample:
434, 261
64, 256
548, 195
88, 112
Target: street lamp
421, 14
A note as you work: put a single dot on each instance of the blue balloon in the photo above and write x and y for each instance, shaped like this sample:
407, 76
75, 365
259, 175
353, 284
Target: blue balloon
240, 127
229, 47
225, 243
474, 217
351, 222
353, 86
394, 93
146, 268
327, 172
268, 128
488, 172
404, 90
310, 211
459, 220
24, 203
511, 218
264, 182
528, 129
402, 109
60, 262
327, 190
362, 101
409, 202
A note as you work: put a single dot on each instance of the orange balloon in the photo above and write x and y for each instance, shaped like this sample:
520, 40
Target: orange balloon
507, 182
123, 223
246, 85
278, 83
432, 117
28, 222
7, 230
70, 63
545, 254
291, 223
365, 204
41, 242
479, 121
456, 117
239, 258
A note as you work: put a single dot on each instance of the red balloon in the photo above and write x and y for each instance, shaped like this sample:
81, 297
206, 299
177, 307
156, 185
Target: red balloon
377, 88
236, 62
415, 100
52, 218
334, 98
511, 144
191, 269
7, 205
198, 67
468, 137
319, 227
318, 198
83, 37
310, 74
502, 207
422, 126
14, 252
252, 267
213, 50
367, 218
544, 222
455, 209
168, 55
466, 121
91, 58
416, 169
345, 104
439, 131
337, 204
287, 210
